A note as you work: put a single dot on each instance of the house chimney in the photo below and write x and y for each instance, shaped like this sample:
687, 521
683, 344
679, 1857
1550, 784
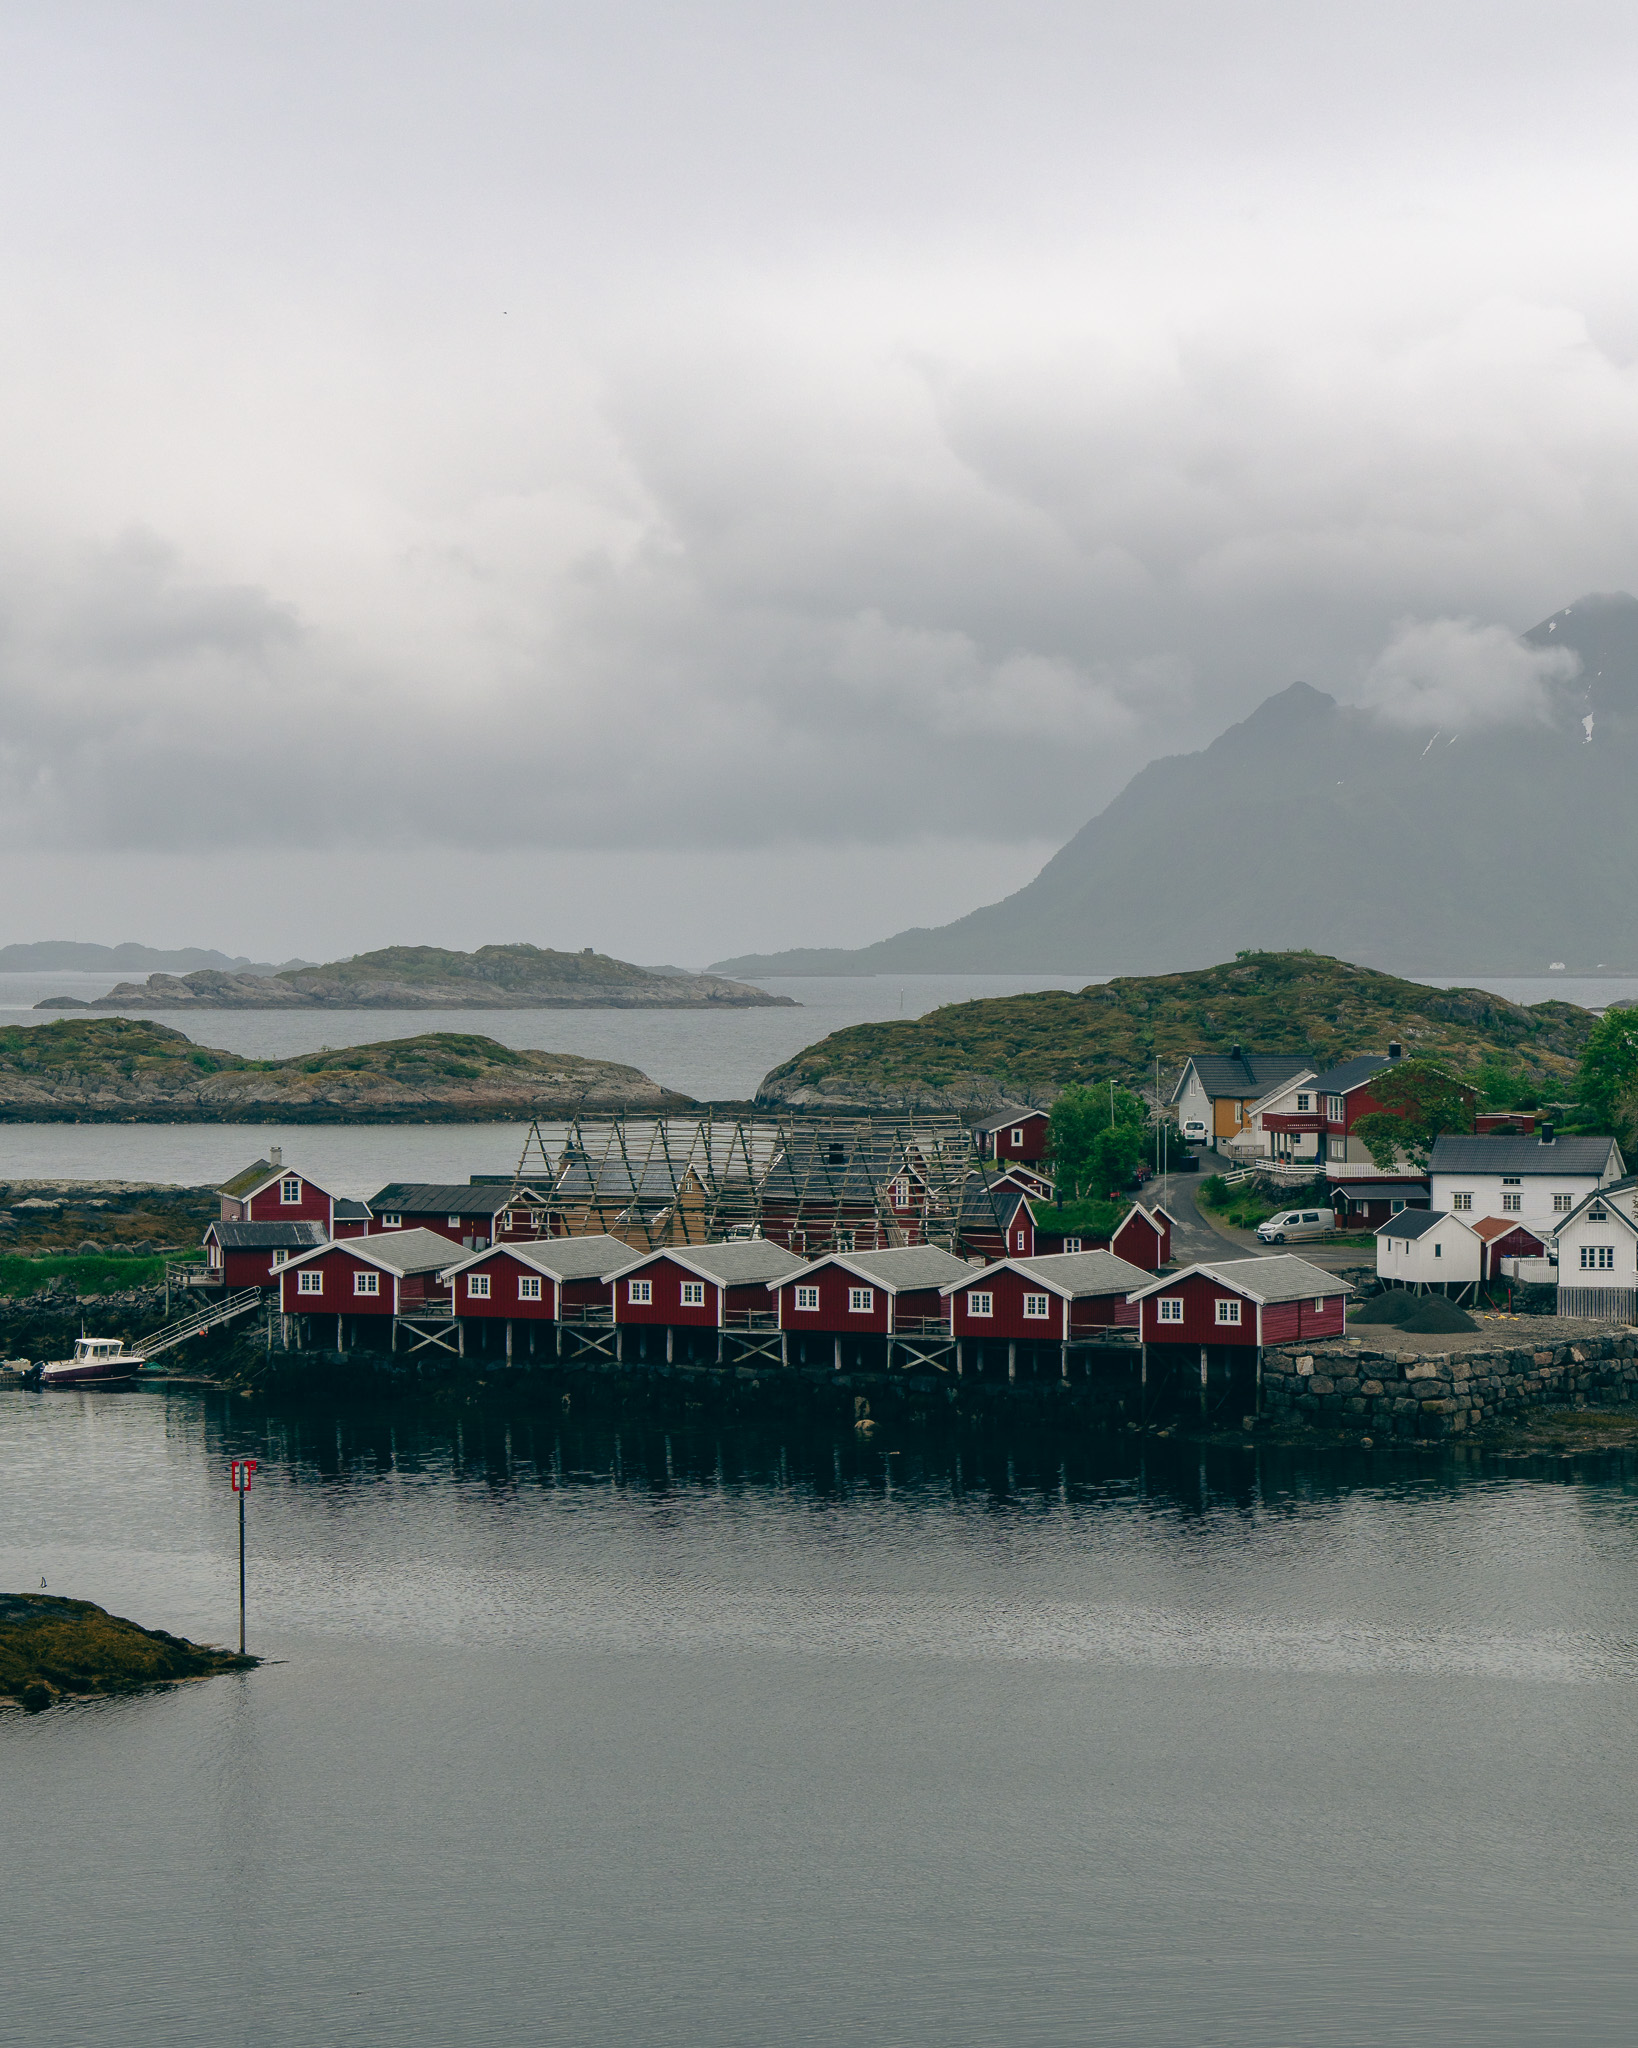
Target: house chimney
275, 1157
1395, 1049
1546, 1134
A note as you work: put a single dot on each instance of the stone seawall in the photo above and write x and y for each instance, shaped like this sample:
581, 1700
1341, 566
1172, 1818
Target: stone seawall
1388, 1393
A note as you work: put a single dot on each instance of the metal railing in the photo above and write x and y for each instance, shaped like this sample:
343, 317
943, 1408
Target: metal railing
219, 1312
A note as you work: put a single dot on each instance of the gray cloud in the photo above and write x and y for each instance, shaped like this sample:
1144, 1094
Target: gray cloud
845, 427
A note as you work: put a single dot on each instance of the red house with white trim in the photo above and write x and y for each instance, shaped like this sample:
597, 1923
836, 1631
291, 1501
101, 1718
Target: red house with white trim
1014, 1133
1057, 1299
271, 1192
536, 1282
471, 1214
392, 1275
871, 1294
248, 1254
708, 1286
1249, 1302
1143, 1237
1505, 1237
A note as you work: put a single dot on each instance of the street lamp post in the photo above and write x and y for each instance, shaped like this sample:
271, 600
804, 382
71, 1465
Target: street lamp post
244, 1471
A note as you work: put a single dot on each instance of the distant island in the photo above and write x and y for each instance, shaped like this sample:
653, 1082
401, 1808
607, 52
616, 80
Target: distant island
75, 956
130, 1070
972, 1057
1318, 823
433, 978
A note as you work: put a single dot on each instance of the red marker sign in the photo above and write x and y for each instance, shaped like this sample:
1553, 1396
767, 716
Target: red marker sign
244, 1470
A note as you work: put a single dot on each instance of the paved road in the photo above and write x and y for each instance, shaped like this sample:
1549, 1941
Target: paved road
1199, 1236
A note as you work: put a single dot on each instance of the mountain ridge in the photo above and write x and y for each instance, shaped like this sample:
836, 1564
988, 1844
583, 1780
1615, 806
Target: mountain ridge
1315, 823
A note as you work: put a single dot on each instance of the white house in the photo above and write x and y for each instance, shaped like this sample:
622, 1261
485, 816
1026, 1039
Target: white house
1538, 1179
1597, 1246
1428, 1248
1215, 1091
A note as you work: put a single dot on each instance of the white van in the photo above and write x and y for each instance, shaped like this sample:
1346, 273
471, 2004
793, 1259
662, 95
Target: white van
1293, 1224
1194, 1130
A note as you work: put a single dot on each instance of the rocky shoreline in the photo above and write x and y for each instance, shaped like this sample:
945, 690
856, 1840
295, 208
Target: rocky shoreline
53, 1649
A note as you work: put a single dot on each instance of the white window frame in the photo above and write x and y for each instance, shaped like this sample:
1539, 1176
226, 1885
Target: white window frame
1563, 1204
1169, 1309
807, 1300
1228, 1314
692, 1294
899, 1193
310, 1281
980, 1303
1598, 1258
477, 1286
291, 1180
1302, 1104
453, 1222
1022, 1238
1512, 1205
391, 1219
213, 1255
1462, 1199
1072, 1244
528, 1287
1018, 1137
1037, 1308
861, 1301
367, 1281
640, 1293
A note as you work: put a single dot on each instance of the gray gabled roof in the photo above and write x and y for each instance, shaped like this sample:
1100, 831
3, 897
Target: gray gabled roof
1015, 1112
1279, 1279
1071, 1274
740, 1264
594, 1257
265, 1237
1462, 1154
1363, 1190
348, 1211
1252, 1074
902, 1269
394, 1251
249, 1178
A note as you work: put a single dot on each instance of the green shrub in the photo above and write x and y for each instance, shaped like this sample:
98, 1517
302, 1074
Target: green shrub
89, 1272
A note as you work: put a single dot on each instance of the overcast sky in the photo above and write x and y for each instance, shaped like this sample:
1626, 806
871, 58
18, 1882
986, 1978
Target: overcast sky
685, 478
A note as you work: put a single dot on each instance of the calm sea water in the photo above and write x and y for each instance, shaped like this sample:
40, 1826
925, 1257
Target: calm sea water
739, 1736
719, 1056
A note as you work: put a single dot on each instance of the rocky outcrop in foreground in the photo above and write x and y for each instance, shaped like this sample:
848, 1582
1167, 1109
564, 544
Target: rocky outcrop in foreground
433, 978
52, 1649
128, 1070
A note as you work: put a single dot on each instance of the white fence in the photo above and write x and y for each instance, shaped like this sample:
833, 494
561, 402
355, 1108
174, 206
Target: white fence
1600, 1304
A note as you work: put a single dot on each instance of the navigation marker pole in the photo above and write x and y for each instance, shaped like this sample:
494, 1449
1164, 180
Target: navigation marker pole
244, 1471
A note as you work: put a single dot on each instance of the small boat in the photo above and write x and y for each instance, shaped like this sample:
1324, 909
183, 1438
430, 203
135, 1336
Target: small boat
97, 1362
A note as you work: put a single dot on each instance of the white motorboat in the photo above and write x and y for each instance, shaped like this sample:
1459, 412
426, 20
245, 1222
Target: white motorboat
97, 1362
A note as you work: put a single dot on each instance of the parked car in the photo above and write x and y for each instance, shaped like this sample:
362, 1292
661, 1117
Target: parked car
1194, 1130
1296, 1224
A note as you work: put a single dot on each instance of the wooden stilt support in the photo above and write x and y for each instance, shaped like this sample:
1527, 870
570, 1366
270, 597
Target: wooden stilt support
958, 1359
1063, 1360
670, 1344
460, 1336
341, 1339
619, 1346
838, 1354
1257, 1396
1012, 1361
509, 1340
784, 1347
1203, 1368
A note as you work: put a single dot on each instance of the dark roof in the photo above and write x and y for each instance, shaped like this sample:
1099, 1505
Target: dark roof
396, 1251
740, 1264
1381, 1190
560, 1258
1347, 1074
447, 1198
264, 1237
1253, 1073
986, 1206
1014, 1113
1461, 1154
1416, 1223
1075, 1274
349, 1211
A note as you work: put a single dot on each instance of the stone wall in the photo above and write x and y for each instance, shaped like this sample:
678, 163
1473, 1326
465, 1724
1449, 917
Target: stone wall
1388, 1393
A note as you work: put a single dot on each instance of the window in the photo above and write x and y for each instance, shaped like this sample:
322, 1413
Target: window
639, 1292
454, 1222
1302, 1104
980, 1303
1512, 1180
1072, 1244
1037, 1307
366, 1283
1239, 1112
290, 1189
1562, 1205
213, 1255
477, 1286
529, 1287
899, 1193
1438, 1251
390, 1220
1464, 1200
807, 1299
279, 1259
1394, 1208
844, 1240
311, 1282
1228, 1312
1171, 1308
1018, 1240
1597, 1258
693, 1294
1597, 1213
506, 1219
1512, 1204
860, 1300
1018, 1137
